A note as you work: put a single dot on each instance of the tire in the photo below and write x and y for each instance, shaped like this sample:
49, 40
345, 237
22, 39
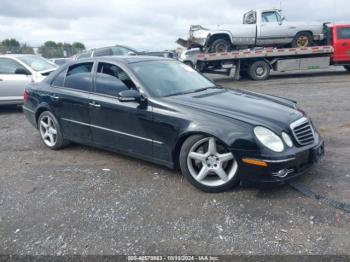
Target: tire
220, 46
302, 39
202, 166
50, 131
347, 68
259, 70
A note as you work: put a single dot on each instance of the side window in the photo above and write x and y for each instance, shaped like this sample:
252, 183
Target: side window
59, 79
269, 17
102, 52
9, 66
249, 18
79, 77
343, 33
111, 79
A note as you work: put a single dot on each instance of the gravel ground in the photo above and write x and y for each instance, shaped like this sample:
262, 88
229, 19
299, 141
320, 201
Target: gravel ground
82, 200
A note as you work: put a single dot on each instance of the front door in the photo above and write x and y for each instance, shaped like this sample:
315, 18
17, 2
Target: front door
12, 85
124, 126
272, 29
341, 36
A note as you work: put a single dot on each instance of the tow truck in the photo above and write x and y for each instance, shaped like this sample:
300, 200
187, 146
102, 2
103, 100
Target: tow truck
258, 63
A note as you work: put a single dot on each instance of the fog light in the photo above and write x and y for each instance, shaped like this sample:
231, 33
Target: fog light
283, 172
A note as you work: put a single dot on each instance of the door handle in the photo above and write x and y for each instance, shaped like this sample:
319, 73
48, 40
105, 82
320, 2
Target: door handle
93, 104
55, 98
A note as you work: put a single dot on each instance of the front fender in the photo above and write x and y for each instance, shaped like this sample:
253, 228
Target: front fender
234, 134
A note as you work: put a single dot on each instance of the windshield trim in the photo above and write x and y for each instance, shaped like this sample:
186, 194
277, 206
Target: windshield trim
150, 92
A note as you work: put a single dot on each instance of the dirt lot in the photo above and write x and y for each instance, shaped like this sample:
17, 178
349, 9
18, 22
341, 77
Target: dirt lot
64, 202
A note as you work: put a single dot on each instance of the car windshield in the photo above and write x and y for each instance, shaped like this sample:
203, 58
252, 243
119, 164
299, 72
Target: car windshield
168, 78
37, 63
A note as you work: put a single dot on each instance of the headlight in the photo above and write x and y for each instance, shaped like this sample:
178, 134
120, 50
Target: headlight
287, 139
269, 139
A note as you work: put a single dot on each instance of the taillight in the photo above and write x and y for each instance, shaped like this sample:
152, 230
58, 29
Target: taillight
25, 96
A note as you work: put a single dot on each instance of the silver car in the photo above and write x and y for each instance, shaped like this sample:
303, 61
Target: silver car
16, 71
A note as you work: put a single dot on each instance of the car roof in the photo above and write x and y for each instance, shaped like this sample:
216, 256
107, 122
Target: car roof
125, 59
16, 55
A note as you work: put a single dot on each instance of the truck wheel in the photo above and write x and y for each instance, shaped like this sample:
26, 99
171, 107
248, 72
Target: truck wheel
347, 67
302, 39
220, 46
259, 70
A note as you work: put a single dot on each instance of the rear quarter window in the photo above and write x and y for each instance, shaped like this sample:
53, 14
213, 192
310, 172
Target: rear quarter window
78, 76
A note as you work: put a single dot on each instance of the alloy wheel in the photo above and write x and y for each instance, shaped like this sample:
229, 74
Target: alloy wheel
48, 131
210, 163
303, 41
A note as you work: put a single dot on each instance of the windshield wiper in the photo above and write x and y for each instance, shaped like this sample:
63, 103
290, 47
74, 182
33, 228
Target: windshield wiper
191, 91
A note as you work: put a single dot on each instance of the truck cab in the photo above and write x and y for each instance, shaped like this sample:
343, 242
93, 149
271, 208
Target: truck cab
339, 38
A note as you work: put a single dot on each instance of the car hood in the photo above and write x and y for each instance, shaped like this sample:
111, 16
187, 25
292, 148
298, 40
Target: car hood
253, 108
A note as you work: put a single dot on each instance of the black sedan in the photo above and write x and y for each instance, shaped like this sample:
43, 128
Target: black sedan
163, 111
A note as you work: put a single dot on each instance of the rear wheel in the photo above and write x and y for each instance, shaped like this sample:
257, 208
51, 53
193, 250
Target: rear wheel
50, 131
347, 67
259, 70
302, 39
207, 164
220, 46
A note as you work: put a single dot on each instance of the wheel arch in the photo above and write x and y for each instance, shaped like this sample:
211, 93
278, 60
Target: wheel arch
305, 31
39, 110
182, 138
219, 35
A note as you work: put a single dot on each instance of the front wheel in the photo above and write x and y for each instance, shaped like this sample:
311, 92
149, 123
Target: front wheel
50, 131
208, 165
220, 46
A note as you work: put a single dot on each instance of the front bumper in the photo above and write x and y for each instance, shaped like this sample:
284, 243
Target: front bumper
278, 171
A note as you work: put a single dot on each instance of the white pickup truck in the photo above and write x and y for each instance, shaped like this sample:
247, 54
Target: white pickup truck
259, 28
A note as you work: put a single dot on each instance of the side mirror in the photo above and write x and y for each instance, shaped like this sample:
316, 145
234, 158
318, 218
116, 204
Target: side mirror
281, 21
129, 95
21, 71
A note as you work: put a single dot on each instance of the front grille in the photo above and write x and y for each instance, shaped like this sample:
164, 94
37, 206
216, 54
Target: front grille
303, 131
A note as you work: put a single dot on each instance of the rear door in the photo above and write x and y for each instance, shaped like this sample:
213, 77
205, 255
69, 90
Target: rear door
69, 99
341, 39
11, 84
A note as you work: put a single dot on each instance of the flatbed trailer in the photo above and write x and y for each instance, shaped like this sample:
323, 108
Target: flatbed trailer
258, 63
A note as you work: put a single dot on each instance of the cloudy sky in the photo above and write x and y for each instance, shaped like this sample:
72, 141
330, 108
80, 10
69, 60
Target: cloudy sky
142, 24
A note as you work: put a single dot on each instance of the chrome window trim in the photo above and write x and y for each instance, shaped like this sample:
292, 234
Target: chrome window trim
112, 130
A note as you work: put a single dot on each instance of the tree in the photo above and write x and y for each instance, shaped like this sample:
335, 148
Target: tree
50, 49
25, 49
50, 44
79, 46
11, 42
10, 45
